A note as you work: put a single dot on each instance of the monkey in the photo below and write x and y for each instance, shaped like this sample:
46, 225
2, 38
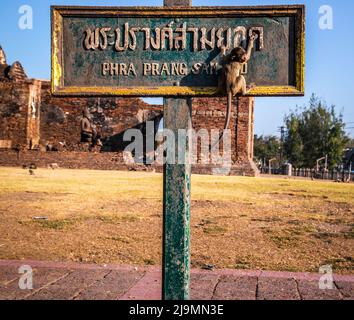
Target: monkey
231, 81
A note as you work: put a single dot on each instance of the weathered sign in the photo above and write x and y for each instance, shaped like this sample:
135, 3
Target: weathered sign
161, 51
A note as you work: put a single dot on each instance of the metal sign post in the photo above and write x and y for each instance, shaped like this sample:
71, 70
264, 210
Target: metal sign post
176, 204
176, 199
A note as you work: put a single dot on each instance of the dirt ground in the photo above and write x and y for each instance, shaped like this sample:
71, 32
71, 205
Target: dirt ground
116, 217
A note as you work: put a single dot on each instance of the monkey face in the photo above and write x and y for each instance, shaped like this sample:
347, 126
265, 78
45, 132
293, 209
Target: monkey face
238, 55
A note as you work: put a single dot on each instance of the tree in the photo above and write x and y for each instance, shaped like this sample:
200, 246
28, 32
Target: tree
266, 148
314, 132
293, 146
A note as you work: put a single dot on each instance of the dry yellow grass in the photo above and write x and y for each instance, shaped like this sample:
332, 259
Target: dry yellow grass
116, 217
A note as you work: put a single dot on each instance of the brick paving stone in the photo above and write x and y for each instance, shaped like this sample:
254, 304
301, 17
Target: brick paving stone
277, 289
149, 287
112, 286
70, 286
236, 288
309, 290
8, 274
41, 277
7, 291
203, 285
346, 289
60, 281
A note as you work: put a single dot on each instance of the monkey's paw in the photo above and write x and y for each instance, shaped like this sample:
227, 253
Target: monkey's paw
254, 36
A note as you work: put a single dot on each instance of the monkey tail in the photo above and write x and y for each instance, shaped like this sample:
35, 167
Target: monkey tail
227, 119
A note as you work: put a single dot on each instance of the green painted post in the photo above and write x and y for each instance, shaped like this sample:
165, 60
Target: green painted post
177, 179
176, 198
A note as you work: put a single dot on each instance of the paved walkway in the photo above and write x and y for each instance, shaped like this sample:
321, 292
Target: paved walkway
73, 281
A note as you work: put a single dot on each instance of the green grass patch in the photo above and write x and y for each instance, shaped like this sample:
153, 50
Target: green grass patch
55, 224
345, 263
115, 219
283, 239
242, 263
214, 229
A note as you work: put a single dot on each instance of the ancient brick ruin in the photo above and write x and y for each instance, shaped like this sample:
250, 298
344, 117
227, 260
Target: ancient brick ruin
36, 127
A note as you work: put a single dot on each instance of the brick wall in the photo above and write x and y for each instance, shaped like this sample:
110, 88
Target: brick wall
211, 113
30, 117
13, 113
60, 118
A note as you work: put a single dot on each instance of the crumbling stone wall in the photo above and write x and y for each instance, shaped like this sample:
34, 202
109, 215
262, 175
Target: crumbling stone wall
60, 119
211, 113
31, 118
13, 114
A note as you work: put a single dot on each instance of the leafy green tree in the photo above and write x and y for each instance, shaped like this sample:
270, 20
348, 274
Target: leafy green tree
314, 132
293, 146
266, 148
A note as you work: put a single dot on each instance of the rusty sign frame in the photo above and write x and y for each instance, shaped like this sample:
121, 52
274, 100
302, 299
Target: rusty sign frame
57, 75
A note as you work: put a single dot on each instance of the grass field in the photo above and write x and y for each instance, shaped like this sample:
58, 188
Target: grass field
116, 217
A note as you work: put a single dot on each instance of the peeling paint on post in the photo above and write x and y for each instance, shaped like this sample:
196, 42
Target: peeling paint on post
177, 183
176, 199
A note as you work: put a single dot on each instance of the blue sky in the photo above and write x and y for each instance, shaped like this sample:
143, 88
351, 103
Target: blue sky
329, 53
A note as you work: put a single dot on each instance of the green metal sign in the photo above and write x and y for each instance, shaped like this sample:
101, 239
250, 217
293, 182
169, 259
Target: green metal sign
163, 51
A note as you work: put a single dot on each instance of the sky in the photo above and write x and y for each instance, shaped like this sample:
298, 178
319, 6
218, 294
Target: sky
329, 53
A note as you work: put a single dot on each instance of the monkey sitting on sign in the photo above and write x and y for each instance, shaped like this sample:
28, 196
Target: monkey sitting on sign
231, 81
